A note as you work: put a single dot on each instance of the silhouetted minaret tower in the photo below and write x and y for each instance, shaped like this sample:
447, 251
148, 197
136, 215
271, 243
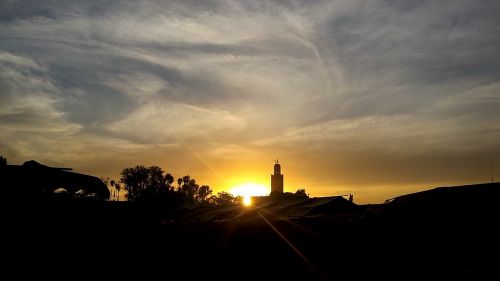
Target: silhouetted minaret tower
277, 179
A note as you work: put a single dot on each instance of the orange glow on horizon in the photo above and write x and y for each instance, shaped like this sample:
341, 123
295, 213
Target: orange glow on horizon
247, 190
247, 201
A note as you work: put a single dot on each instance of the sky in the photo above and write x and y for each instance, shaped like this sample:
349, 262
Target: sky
376, 98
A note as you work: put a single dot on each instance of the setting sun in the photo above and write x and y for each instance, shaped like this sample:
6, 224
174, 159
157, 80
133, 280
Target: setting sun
247, 190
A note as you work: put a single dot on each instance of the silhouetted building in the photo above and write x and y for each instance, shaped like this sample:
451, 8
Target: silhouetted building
34, 180
277, 179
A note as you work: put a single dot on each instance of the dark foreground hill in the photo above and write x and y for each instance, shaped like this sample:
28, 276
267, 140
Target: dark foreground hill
446, 233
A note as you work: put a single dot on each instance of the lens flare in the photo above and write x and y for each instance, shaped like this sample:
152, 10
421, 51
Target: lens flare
247, 200
247, 190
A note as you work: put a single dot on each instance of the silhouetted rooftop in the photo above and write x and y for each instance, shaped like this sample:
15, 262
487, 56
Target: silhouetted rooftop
32, 180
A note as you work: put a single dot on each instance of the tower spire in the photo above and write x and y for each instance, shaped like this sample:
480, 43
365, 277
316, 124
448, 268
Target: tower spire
277, 178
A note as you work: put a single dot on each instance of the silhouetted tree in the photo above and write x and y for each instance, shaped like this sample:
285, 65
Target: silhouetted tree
224, 199
3, 161
157, 182
189, 188
179, 183
203, 192
301, 193
169, 179
117, 187
151, 184
135, 181
112, 184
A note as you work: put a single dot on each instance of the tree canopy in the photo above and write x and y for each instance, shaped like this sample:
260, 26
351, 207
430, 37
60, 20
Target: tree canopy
225, 198
151, 183
299, 194
143, 182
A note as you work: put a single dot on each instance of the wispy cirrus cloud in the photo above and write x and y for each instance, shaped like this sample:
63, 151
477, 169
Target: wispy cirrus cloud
123, 82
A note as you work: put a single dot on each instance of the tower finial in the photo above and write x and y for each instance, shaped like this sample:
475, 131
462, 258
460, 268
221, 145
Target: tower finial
277, 178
